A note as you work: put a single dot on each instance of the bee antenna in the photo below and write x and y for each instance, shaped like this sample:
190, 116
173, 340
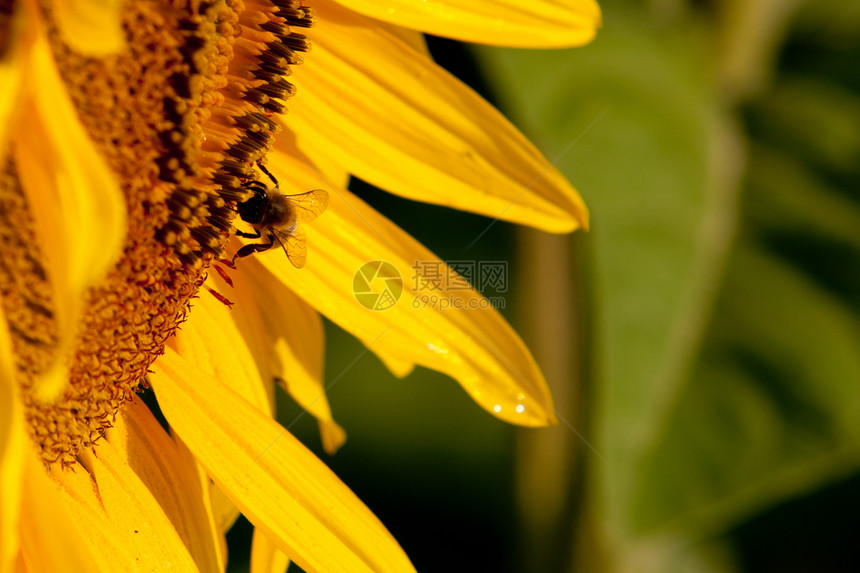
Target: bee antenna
266, 171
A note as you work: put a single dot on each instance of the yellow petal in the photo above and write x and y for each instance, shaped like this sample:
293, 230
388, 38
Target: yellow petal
77, 206
12, 61
173, 480
244, 323
394, 118
295, 332
192, 342
399, 368
413, 39
265, 555
91, 27
51, 537
332, 175
210, 341
122, 521
276, 482
472, 343
12, 452
225, 511
531, 24
207, 488
329, 169
282, 333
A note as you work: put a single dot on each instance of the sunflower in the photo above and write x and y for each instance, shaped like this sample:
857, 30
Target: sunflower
131, 135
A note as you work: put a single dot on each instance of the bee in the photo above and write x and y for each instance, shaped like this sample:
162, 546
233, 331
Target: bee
276, 218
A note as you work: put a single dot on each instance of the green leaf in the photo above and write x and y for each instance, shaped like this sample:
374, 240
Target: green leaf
630, 122
771, 408
721, 381
814, 119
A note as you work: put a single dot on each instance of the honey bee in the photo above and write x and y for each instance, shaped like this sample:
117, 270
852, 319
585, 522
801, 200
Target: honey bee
276, 218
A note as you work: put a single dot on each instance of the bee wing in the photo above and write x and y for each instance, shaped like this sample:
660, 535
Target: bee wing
308, 206
294, 244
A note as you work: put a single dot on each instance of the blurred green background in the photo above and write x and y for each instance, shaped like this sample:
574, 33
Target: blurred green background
702, 341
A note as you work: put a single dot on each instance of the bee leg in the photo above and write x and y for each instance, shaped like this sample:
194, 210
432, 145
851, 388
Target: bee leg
266, 171
248, 250
245, 235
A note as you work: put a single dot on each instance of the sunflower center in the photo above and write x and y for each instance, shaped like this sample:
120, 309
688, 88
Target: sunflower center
181, 117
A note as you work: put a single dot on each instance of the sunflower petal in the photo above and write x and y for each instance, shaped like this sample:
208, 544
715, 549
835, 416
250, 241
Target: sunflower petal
469, 340
296, 500
394, 118
91, 27
102, 521
329, 169
332, 175
244, 321
225, 511
265, 555
201, 342
532, 24
397, 367
173, 480
207, 488
210, 341
65, 550
12, 69
298, 346
12, 452
413, 39
107, 542
112, 498
285, 341
296, 333
77, 206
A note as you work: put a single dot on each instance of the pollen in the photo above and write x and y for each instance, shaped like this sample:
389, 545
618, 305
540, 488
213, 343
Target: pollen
181, 117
